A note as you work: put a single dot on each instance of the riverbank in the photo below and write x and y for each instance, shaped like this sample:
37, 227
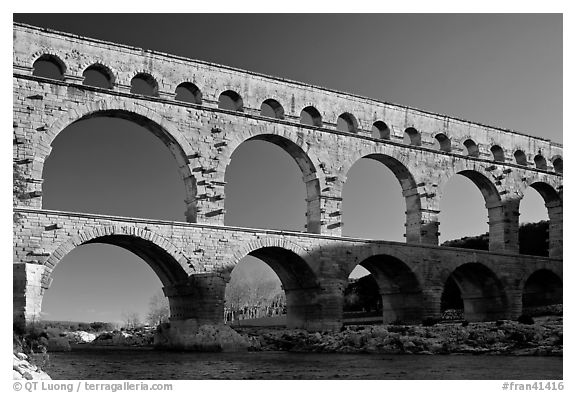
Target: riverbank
543, 338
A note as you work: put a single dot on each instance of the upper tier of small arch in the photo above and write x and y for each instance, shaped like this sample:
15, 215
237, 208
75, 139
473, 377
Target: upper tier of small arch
207, 84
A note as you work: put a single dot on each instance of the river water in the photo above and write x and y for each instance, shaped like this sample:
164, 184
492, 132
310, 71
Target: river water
145, 363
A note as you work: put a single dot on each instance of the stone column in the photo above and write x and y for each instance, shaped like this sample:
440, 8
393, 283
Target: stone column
421, 217
514, 300
503, 225
555, 229
313, 202
432, 301
201, 299
29, 285
316, 309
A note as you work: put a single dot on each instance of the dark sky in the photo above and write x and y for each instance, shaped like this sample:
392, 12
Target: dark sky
502, 70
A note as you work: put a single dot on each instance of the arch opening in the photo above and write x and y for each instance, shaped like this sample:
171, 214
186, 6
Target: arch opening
542, 293
85, 172
98, 75
144, 84
311, 117
471, 148
113, 263
541, 223
49, 66
188, 92
464, 216
270, 192
271, 286
231, 101
540, 162
558, 165
380, 130
272, 108
520, 157
383, 289
412, 137
533, 233
497, 153
346, 122
481, 293
442, 142
364, 212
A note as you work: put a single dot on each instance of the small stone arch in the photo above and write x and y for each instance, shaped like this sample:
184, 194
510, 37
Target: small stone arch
143, 83
520, 157
188, 92
43, 63
412, 137
380, 130
230, 100
471, 148
98, 75
311, 116
540, 162
442, 142
167, 260
558, 164
347, 122
272, 108
497, 153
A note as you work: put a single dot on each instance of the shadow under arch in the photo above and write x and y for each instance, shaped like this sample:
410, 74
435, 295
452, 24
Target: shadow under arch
481, 293
175, 143
542, 288
399, 287
296, 275
168, 263
309, 175
408, 184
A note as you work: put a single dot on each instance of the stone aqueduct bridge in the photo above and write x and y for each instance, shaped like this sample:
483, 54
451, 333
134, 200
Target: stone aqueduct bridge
193, 259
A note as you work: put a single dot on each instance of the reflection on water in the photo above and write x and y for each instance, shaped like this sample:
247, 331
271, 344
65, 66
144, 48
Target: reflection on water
144, 363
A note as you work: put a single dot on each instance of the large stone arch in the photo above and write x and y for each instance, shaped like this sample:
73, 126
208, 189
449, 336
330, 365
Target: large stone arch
541, 287
420, 219
291, 264
399, 285
482, 291
551, 190
172, 138
167, 260
495, 184
303, 158
299, 274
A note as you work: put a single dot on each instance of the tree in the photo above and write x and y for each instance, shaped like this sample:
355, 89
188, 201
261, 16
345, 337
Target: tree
159, 310
131, 320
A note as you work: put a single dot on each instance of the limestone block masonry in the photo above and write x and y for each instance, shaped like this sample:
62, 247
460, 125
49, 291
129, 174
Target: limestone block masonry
194, 258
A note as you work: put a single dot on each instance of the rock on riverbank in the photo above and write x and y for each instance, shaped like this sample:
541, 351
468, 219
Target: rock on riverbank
23, 369
545, 337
